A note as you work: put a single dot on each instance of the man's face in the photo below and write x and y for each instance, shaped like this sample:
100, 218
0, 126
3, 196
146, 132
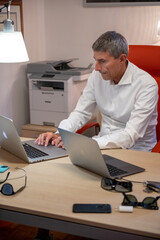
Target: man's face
110, 68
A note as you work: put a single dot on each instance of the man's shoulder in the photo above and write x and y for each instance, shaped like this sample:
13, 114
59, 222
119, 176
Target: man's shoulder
141, 75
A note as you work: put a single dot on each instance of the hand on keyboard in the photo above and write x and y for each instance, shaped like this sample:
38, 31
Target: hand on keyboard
50, 137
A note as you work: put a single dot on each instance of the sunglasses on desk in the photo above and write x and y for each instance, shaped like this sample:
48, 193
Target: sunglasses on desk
7, 188
148, 202
116, 185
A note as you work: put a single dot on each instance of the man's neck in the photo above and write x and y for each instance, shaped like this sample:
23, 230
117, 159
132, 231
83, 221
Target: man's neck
124, 67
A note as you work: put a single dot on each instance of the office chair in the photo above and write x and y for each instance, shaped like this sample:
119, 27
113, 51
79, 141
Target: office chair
146, 57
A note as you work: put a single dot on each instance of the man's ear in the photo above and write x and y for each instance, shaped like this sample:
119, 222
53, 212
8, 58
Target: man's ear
123, 58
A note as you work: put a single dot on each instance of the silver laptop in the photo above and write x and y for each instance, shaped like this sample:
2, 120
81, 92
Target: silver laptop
28, 150
84, 152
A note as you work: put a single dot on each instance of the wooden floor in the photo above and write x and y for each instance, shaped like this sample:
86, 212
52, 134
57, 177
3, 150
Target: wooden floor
21, 232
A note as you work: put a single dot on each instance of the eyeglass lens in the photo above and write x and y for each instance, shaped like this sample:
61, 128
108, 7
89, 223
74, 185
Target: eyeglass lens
119, 186
148, 202
7, 189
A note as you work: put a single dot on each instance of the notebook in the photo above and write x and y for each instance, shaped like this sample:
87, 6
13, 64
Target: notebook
84, 152
27, 150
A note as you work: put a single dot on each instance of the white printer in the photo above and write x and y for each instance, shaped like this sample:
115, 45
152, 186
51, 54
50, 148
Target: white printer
54, 89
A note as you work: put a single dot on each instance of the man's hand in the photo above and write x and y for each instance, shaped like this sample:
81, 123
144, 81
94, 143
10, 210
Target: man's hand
50, 137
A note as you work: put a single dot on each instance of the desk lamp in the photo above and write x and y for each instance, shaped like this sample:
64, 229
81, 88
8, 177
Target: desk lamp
12, 46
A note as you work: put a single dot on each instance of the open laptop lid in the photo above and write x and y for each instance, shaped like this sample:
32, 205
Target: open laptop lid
11, 142
9, 139
84, 152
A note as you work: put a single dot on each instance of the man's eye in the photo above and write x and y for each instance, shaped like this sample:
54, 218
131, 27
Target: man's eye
102, 61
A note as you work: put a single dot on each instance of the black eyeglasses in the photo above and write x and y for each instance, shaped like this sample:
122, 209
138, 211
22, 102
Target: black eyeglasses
7, 188
148, 202
118, 186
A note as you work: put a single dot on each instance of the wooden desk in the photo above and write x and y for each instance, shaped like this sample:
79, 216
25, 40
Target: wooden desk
53, 186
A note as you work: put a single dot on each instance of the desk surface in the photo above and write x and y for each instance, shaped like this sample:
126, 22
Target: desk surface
53, 186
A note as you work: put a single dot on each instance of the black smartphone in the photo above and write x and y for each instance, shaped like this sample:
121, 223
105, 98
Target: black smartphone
3, 168
91, 208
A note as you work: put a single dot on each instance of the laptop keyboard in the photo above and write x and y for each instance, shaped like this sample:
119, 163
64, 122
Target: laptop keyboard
114, 171
33, 152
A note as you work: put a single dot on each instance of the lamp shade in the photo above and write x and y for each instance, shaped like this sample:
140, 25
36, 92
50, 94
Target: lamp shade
12, 48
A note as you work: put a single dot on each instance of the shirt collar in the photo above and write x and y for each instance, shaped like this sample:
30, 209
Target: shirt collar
127, 76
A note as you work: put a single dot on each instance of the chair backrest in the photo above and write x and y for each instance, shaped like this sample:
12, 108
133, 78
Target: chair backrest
147, 57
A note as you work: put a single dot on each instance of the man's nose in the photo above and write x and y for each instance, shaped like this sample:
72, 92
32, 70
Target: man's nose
97, 66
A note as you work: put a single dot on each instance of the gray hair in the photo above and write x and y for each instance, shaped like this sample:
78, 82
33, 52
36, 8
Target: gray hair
113, 43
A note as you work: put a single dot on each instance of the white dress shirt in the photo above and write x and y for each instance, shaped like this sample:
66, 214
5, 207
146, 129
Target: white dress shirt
128, 109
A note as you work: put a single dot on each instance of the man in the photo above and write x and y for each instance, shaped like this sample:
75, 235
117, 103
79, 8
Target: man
126, 97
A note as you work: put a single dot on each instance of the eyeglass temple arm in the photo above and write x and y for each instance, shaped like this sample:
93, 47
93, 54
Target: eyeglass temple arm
19, 190
5, 178
125, 196
156, 199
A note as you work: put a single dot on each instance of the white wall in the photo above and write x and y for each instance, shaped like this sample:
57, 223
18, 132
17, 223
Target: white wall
14, 101
61, 29
34, 28
74, 28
